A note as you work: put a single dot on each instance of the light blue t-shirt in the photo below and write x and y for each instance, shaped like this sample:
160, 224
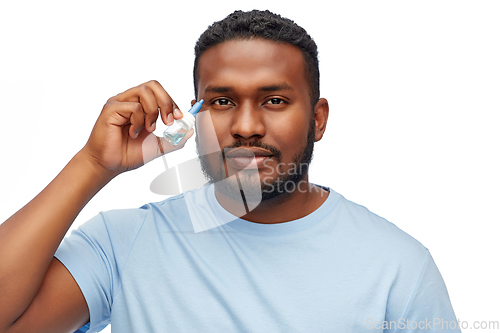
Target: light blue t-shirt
339, 269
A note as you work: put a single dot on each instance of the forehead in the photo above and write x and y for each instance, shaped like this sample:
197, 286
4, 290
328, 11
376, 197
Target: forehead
252, 63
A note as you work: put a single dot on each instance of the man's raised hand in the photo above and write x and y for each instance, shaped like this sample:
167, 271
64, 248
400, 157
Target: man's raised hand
122, 137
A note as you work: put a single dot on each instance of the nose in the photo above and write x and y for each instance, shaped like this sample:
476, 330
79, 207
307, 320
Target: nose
247, 122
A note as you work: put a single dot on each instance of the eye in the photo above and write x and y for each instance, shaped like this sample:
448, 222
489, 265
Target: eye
276, 101
222, 102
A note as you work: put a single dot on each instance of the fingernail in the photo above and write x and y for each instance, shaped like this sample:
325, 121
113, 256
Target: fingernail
170, 119
178, 113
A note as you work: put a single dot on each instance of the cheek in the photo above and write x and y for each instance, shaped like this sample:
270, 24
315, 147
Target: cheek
207, 128
290, 132
222, 125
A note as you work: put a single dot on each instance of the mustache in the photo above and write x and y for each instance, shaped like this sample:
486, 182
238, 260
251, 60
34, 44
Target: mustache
258, 144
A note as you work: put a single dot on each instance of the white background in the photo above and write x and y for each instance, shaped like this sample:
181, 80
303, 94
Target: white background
413, 132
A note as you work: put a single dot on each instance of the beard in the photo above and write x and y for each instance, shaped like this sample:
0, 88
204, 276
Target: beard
246, 183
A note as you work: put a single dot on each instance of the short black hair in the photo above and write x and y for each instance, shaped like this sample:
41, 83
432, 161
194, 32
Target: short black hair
266, 25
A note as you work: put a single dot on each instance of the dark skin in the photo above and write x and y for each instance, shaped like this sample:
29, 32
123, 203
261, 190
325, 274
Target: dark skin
257, 90
37, 293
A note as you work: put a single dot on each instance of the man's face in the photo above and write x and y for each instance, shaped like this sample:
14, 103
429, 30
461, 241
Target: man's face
257, 94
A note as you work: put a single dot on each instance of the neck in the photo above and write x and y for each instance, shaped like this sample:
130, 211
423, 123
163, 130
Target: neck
286, 207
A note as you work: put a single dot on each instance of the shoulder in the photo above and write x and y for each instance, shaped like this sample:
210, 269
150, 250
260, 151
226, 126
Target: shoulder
375, 233
170, 211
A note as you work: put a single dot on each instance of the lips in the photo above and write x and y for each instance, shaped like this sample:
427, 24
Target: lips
247, 157
247, 152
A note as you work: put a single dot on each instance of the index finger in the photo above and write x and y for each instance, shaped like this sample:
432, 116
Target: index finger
165, 102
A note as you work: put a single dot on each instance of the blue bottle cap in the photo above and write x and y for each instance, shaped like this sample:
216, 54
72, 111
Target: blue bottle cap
196, 107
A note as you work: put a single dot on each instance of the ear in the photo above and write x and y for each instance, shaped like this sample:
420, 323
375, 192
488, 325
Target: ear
192, 102
321, 110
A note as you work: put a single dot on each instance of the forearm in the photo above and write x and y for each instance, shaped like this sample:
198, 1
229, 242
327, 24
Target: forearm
29, 238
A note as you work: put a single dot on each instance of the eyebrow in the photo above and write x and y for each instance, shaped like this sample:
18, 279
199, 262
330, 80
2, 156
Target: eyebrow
271, 88
276, 87
218, 90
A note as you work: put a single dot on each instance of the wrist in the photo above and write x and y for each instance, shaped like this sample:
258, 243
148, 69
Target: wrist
95, 171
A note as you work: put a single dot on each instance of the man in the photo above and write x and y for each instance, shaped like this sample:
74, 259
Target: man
297, 258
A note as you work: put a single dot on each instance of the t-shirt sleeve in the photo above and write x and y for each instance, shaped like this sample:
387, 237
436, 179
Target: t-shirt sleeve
94, 254
87, 254
429, 308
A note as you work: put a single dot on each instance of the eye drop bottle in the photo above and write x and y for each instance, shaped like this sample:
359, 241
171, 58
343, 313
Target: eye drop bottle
177, 131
